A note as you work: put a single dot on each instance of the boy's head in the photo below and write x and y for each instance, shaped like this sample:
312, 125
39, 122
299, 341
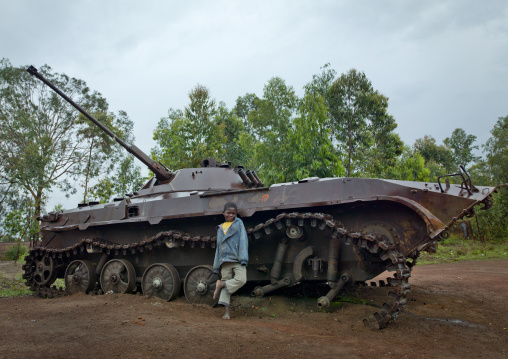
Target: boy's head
230, 211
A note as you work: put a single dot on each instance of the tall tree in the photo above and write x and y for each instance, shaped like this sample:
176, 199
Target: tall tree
309, 149
461, 145
497, 150
438, 158
275, 111
244, 105
102, 151
186, 137
495, 169
16, 214
233, 127
431, 151
39, 146
270, 122
360, 123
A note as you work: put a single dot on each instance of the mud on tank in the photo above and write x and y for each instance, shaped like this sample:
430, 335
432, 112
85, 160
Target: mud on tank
318, 230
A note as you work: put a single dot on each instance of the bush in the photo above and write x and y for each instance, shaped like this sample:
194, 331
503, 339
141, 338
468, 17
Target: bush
10, 253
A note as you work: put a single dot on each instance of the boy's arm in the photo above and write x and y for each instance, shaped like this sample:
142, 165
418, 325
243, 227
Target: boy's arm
244, 246
216, 265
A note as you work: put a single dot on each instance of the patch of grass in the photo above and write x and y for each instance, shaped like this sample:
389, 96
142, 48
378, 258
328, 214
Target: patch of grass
60, 282
13, 288
459, 249
349, 299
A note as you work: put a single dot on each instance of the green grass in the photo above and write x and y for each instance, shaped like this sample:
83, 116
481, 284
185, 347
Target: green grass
60, 282
458, 249
13, 285
16, 287
13, 288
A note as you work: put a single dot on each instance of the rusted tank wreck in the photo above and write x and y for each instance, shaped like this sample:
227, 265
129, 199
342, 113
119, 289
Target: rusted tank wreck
323, 230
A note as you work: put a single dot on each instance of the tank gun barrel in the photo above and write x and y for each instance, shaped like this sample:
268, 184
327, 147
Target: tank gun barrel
160, 171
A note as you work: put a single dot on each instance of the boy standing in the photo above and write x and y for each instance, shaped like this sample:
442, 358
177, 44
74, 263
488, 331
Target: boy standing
231, 256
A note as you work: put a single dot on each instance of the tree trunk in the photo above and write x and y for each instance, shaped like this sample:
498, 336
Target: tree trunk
88, 170
19, 240
350, 146
37, 213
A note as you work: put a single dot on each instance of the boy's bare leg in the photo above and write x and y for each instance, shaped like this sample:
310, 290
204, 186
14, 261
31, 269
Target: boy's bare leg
218, 287
226, 313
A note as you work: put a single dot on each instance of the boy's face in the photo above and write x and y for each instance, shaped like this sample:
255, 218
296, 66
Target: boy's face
230, 214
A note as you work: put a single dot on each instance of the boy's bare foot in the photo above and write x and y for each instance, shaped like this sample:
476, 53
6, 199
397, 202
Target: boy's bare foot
226, 313
218, 287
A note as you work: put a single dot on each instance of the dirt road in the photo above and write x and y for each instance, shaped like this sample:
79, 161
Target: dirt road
454, 310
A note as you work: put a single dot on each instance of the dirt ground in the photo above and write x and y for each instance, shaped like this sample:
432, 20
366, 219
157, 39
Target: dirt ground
454, 310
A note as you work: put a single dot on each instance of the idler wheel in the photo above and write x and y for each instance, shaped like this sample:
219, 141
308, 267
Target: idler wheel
199, 286
118, 276
80, 277
161, 280
384, 230
44, 271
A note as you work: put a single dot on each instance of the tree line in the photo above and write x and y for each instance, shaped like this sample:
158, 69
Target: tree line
340, 126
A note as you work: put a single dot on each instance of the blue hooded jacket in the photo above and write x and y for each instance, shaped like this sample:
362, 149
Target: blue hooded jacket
232, 246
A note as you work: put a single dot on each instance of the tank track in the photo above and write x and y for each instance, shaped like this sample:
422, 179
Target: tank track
378, 246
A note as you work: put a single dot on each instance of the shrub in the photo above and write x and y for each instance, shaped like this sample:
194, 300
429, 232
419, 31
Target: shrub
10, 253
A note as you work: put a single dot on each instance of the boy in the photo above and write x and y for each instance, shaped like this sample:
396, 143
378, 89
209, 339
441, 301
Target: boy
231, 256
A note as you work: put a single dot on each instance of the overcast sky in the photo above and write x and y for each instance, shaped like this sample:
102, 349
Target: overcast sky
443, 64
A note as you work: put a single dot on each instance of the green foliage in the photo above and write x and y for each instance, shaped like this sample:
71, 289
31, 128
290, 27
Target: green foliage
247, 143
270, 123
457, 249
18, 220
10, 253
461, 146
244, 105
497, 151
409, 166
494, 222
275, 111
292, 140
320, 84
309, 148
491, 172
40, 146
361, 125
233, 128
185, 138
438, 158
126, 179
102, 151
444, 159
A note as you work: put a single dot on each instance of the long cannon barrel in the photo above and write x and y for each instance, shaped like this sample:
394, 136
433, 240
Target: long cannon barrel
161, 172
